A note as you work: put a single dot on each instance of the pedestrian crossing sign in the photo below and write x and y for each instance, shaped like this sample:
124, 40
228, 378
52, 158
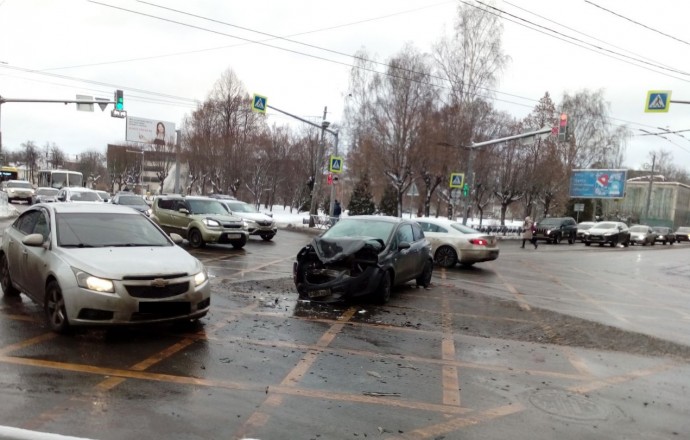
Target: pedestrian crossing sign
658, 101
335, 165
259, 103
457, 180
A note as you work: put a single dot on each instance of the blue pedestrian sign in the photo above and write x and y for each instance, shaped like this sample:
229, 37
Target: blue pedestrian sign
658, 101
457, 180
335, 165
259, 103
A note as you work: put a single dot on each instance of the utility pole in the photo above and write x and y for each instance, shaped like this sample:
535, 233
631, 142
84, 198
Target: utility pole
176, 190
313, 208
649, 192
333, 192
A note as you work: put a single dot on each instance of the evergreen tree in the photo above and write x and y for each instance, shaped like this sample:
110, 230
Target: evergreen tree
389, 201
361, 202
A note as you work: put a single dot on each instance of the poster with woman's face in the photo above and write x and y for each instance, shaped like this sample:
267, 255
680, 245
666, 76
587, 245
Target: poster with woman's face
150, 131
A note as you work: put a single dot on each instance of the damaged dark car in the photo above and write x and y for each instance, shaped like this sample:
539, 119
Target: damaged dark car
363, 255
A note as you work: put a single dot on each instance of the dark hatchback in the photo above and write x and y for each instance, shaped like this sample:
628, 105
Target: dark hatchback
363, 255
664, 235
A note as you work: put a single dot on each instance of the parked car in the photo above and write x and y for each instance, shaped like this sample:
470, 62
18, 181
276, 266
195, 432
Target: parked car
664, 235
555, 229
581, 228
683, 234
200, 220
454, 243
642, 234
93, 265
44, 195
258, 223
18, 190
104, 195
363, 255
77, 194
132, 200
612, 233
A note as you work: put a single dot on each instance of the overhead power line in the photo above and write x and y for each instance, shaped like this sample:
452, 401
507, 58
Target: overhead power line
637, 22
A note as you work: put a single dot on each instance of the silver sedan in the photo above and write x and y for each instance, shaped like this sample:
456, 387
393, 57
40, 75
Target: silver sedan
454, 243
100, 264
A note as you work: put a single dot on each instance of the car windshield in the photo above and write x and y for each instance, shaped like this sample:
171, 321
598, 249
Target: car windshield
206, 207
95, 229
683, 229
585, 226
660, 229
85, 197
639, 229
350, 227
132, 201
464, 229
47, 191
19, 185
240, 207
605, 225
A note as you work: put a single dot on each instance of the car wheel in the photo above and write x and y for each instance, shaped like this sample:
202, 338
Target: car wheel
653, 243
383, 294
239, 244
626, 243
587, 243
571, 239
5, 279
601, 244
424, 279
446, 256
267, 237
614, 243
195, 239
557, 239
55, 310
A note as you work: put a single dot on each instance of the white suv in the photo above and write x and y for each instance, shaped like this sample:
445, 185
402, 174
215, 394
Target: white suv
18, 190
78, 194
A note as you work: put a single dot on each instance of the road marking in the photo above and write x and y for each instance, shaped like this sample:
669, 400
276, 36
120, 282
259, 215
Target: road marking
451, 382
614, 380
26, 343
519, 297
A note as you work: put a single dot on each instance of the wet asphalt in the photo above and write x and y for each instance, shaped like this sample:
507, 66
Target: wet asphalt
560, 342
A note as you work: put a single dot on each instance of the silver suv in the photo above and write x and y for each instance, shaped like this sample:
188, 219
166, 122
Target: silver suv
18, 190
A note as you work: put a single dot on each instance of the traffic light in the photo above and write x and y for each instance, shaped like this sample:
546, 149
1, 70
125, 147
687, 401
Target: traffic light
563, 128
466, 190
119, 100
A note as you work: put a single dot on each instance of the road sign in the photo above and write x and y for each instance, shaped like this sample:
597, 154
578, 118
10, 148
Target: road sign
579, 207
259, 103
658, 101
413, 191
457, 180
335, 165
84, 107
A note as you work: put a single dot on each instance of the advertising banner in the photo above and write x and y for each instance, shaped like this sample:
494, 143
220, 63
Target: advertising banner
150, 131
597, 184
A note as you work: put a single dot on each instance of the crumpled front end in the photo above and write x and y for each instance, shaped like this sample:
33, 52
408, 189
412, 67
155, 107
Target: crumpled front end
337, 269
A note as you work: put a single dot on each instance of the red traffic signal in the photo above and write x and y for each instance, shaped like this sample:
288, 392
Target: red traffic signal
330, 179
563, 127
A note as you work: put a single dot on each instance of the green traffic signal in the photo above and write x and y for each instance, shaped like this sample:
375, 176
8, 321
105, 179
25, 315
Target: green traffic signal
466, 190
119, 100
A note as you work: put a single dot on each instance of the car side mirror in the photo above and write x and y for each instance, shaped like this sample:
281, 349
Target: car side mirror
176, 238
403, 245
34, 240
184, 211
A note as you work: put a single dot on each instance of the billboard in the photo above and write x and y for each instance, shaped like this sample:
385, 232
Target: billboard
597, 184
150, 131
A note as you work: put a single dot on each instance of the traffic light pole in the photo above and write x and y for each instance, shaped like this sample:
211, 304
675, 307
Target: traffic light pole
471, 148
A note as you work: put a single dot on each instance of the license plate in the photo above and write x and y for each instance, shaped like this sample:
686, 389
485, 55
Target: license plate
233, 235
319, 293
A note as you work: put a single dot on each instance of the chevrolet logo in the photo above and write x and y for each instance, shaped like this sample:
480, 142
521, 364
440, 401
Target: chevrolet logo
159, 282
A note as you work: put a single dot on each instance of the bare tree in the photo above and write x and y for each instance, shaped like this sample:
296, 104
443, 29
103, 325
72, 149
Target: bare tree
30, 158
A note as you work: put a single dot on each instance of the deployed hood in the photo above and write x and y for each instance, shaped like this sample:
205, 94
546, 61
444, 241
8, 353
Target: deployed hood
333, 249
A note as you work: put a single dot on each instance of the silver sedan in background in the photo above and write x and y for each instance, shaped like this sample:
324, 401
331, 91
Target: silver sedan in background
100, 264
453, 243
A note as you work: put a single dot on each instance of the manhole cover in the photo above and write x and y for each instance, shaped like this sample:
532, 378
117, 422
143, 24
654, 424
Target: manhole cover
568, 405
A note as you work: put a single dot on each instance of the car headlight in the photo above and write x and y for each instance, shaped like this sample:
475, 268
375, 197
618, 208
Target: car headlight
200, 278
548, 232
251, 223
211, 223
608, 234
148, 212
91, 282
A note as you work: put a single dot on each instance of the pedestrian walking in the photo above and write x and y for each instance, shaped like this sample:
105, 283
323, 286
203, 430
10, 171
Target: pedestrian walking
528, 230
337, 210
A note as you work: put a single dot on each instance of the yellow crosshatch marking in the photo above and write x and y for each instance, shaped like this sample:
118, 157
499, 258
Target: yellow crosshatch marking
658, 101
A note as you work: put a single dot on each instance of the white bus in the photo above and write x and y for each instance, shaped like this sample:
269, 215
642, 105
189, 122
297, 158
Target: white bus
60, 178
